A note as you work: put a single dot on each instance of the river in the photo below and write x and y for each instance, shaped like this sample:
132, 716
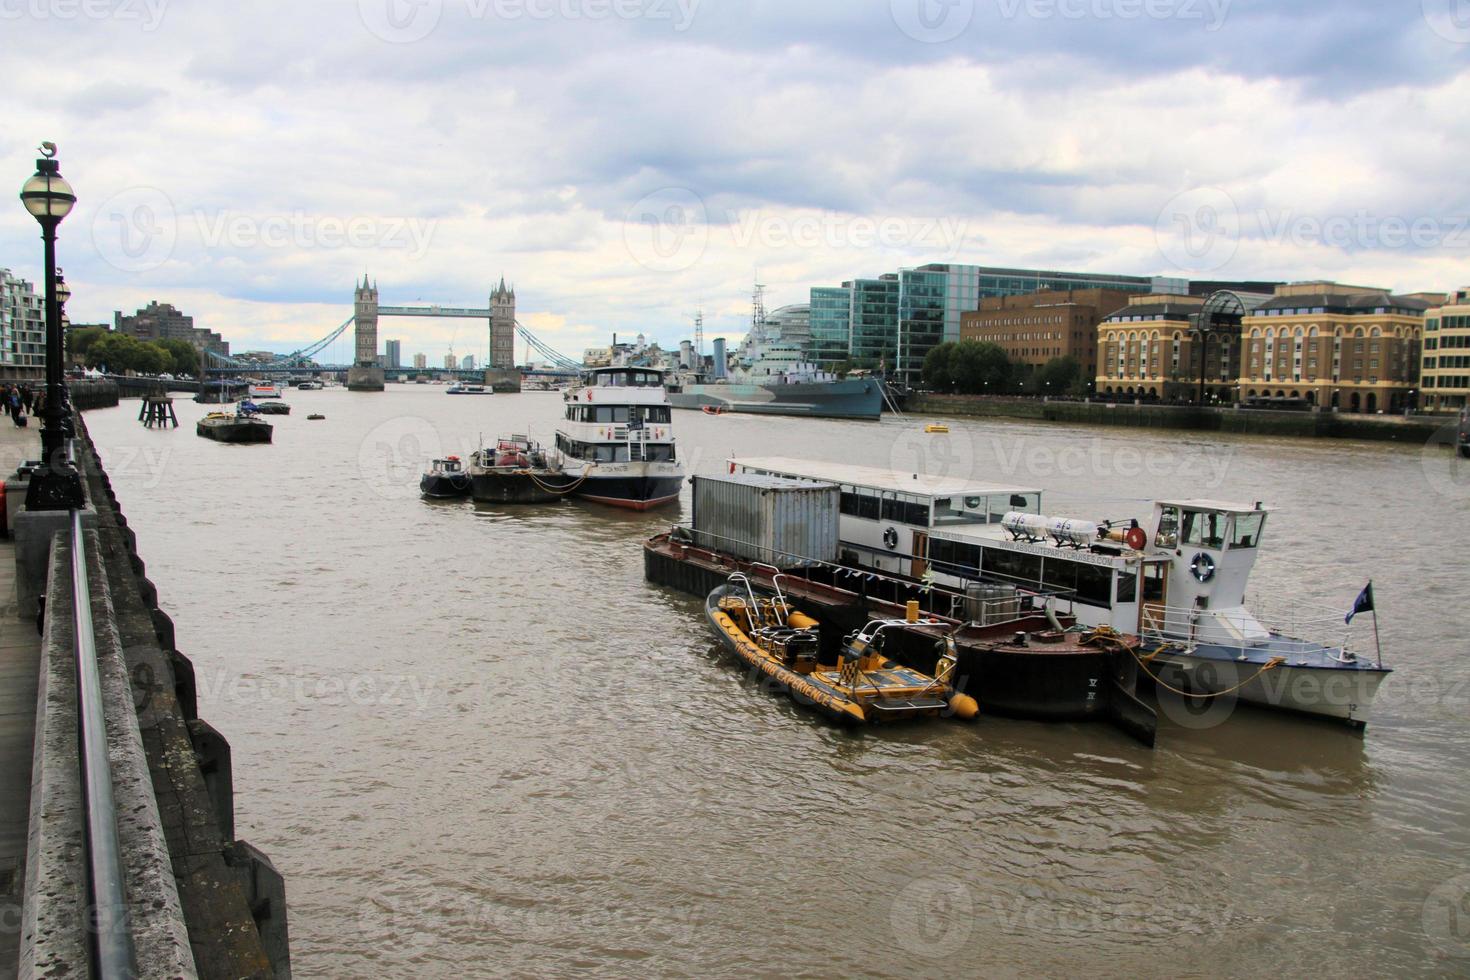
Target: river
477, 743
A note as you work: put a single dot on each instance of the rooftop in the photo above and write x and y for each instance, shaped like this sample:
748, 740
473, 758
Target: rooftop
877, 478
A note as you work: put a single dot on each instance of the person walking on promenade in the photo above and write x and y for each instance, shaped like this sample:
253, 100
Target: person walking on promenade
26, 396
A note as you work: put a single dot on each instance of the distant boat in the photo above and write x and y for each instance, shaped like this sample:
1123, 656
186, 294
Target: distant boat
273, 408
268, 389
459, 388
242, 425
309, 386
445, 480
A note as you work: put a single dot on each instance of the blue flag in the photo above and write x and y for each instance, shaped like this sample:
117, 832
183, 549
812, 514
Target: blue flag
1364, 603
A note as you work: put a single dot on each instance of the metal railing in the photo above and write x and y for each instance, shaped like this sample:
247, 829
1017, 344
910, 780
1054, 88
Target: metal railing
1291, 633
109, 932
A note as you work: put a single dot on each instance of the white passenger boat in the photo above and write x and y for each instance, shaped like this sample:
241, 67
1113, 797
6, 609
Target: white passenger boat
264, 389
463, 388
1177, 580
616, 443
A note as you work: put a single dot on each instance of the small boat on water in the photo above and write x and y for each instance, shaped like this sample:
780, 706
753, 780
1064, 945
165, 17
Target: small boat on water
315, 417
309, 386
241, 425
445, 480
936, 428
517, 471
273, 408
460, 388
862, 686
714, 409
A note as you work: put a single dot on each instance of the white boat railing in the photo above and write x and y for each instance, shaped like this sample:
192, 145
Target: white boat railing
1297, 631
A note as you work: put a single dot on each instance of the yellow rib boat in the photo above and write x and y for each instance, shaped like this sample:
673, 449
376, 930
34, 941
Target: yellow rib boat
763, 630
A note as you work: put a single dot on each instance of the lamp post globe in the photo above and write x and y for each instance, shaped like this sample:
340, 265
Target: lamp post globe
55, 485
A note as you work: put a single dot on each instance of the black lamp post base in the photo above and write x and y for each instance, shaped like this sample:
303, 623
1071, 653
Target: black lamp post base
55, 489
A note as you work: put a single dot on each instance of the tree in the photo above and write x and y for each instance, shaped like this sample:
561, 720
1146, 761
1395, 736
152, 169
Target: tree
183, 356
1060, 375
937, 373
120, 353
980, 368
79, 341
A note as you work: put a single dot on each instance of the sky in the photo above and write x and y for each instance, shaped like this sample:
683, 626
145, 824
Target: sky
624, 163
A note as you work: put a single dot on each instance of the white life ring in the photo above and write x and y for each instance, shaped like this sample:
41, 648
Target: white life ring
890, 537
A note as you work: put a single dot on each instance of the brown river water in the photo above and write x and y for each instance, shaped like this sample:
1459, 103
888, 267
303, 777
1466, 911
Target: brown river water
477, 743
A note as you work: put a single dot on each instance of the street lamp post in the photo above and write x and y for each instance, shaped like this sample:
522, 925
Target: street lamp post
55, 485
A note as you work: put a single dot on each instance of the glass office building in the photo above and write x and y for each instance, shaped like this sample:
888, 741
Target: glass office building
874, 319
922, 295
831, 324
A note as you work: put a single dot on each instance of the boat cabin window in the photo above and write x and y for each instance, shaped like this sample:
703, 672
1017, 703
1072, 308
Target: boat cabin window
1014, 566
1246, 531
628, 379
1153, 581
1204, 529
1168, 533
954, 558
857, 502
658, 453
1127, 588
906, 509
1094, 585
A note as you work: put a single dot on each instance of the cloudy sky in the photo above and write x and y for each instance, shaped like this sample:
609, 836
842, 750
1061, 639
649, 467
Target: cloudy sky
625, 161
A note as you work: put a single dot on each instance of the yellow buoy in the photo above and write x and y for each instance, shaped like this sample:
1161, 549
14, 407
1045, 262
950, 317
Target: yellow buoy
936, 427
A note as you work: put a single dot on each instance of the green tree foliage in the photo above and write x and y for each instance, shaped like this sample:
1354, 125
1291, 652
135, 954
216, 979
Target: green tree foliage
971, 367
119, 353
1058, 376
183, 356
79, 341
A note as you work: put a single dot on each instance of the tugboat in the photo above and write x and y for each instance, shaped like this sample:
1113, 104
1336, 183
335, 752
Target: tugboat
617, 443
863, 686
445, 480
242, 425
517, 471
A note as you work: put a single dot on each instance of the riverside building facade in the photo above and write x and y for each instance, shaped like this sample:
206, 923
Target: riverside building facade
1445, 364
1336, 346
22, 323
1037, 327
1150, 350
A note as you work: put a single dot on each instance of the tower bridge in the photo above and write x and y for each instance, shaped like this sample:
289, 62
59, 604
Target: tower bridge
366, 373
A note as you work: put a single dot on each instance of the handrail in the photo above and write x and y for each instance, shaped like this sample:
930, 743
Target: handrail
109, 934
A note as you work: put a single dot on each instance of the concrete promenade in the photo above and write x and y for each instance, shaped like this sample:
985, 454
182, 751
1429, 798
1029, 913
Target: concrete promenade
20, 655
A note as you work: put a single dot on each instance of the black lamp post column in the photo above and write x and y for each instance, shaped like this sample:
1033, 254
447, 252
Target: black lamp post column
56, 485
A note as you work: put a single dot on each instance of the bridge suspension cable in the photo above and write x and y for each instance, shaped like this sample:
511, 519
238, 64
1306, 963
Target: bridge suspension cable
541, 347
283, 360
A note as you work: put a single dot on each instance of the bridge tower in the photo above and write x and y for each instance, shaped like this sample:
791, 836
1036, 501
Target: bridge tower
366, 373
503, 327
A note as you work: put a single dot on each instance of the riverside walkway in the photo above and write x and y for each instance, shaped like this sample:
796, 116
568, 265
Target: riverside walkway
20, 660
117, 849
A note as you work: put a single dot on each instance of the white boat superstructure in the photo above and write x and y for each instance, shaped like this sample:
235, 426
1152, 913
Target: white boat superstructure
617, 439
1177, 580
